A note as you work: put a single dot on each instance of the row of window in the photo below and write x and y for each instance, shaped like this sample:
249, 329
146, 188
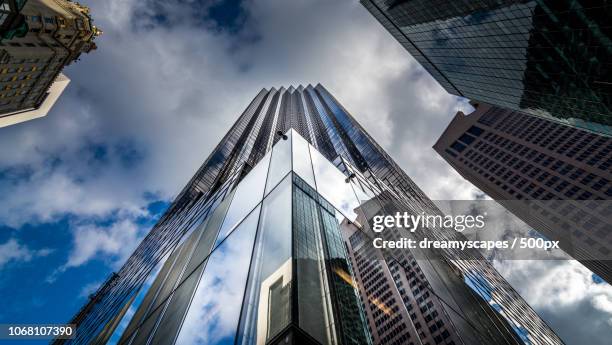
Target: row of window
29, 44
556, 137
507, 153
590, 222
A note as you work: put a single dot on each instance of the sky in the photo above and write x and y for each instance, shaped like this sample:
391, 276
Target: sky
81, 187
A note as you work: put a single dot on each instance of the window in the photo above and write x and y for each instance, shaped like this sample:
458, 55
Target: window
458, 146
36, 19
247, 195
281, 162
475, 130
271, 266
49, 20
228, 282
468, 139
301, 159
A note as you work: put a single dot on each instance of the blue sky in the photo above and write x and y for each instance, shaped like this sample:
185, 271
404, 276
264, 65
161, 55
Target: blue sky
42, 288
80, 187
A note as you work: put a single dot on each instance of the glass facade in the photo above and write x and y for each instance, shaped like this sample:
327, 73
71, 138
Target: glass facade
287, 245
268, 304
254, 248
546, 58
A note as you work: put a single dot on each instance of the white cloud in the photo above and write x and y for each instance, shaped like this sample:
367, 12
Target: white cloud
214, 317
564, 293
116, 242
554, 283
173, 92
89, 289
164, 96
13, 251
113, 244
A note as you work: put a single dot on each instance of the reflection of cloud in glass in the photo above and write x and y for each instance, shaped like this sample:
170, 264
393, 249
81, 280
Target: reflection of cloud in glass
281, 162
301, 160
136, 303
272, 250
362, 194
332, 186
486, 291
248, 193
213, 315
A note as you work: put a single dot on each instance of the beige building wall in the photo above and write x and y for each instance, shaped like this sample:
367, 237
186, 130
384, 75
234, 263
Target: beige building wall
55, 91
554, 177
58, 31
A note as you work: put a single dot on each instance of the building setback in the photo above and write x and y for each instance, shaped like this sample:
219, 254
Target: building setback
252, 250
547, 58
556, 178
38, 39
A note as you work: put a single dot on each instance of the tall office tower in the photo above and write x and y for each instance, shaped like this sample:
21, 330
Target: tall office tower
548, 58
386, 290
535, 168
38, 38
408, 296
251, 251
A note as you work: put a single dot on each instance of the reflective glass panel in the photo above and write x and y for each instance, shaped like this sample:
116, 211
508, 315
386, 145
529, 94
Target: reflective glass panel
302, 164
361, 189
145, 306
207, 238
213, 315
186, 249
173, 315
136, 303
332, 185
268, 307
315, 313
144, 332
281, 162
248, 194
350, 312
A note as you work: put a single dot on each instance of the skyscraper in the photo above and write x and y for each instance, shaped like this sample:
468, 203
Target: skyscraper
545, 58
252, 250
392, 308
556, 178
38, 39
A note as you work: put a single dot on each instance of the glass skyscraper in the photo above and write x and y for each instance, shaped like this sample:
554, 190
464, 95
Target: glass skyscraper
545, 58
260, 248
